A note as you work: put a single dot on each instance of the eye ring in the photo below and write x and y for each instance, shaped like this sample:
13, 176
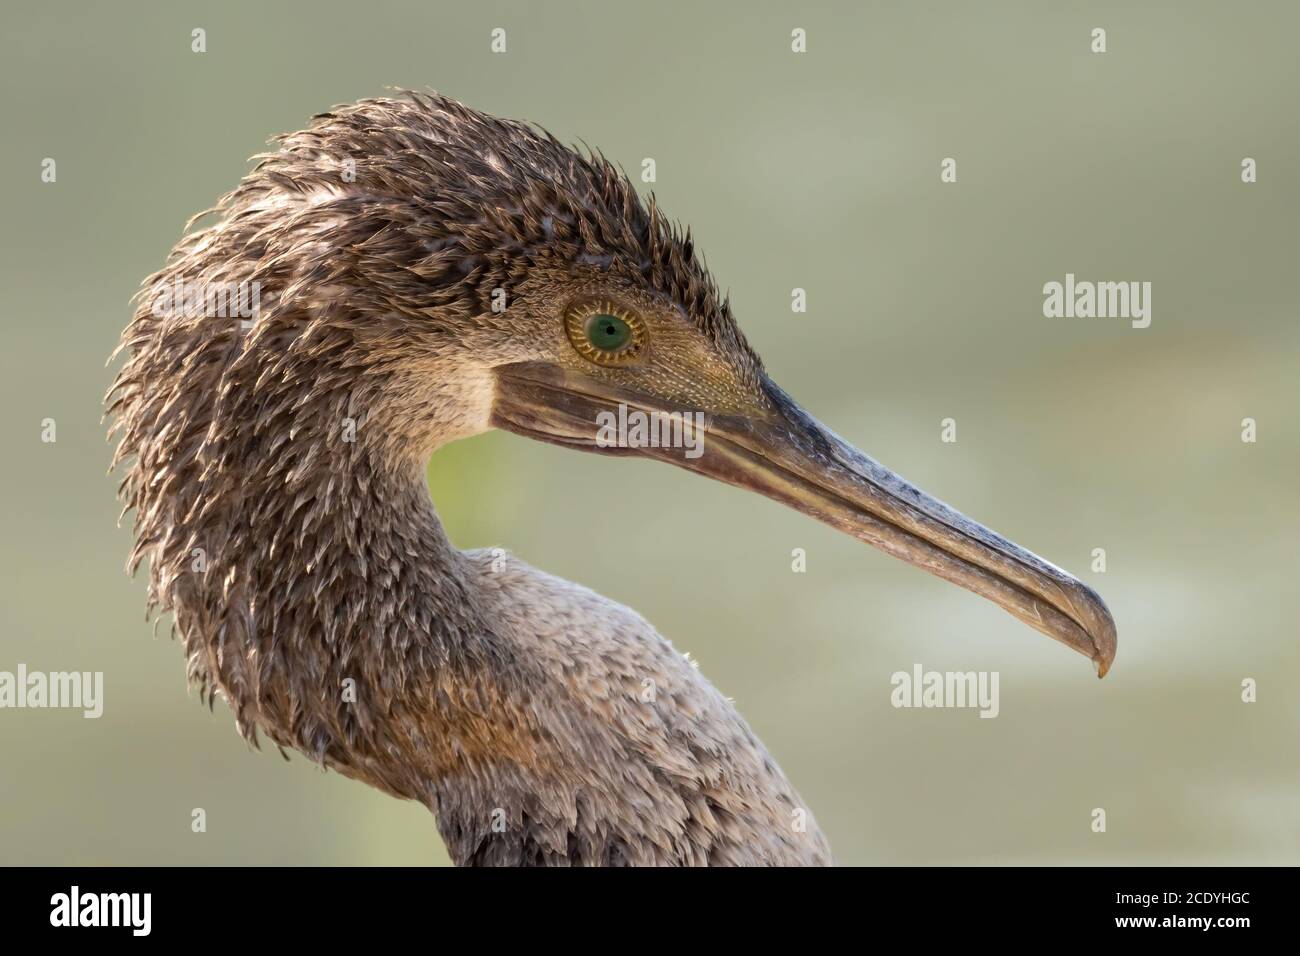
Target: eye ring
604, 333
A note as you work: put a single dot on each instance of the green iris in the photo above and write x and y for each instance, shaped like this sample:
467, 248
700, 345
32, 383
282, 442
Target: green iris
608, 332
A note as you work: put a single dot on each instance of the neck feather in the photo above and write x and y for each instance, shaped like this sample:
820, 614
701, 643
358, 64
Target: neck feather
284, 514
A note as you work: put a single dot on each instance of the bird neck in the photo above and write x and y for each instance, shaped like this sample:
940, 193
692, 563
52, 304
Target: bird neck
288, 526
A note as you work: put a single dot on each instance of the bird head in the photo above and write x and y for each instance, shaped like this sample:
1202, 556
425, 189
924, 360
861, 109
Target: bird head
525, 286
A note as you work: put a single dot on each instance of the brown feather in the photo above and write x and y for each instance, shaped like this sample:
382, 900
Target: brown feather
505, 700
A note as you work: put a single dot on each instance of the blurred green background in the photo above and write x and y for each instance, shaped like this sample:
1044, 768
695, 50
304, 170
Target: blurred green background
818, 171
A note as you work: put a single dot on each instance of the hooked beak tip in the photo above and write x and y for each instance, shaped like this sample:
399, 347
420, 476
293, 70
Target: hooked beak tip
1094, 619
1105, 642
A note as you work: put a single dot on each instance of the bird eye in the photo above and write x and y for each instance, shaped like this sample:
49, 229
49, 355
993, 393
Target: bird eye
608, 332
604, 333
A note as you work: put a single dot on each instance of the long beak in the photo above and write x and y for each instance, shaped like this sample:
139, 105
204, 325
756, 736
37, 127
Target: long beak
786, 454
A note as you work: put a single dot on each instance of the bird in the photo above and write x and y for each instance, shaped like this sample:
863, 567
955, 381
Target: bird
423, 272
